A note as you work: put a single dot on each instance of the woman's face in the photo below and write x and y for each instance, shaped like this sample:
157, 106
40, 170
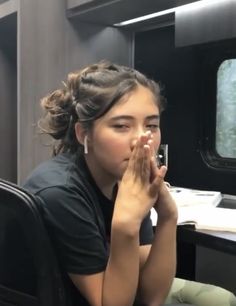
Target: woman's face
113, 136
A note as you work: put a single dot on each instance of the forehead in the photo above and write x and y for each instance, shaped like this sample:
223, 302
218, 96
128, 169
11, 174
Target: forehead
141, 101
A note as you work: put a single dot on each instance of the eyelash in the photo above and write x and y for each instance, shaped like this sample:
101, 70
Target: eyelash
120, 126
124, 127
153, 126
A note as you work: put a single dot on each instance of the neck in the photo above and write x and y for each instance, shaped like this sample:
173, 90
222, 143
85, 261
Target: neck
103, 180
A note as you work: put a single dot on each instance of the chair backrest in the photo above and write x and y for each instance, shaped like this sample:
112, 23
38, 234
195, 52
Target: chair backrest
29, 272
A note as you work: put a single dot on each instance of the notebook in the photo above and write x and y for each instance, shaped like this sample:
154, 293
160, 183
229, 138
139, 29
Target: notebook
209, 218
205, 218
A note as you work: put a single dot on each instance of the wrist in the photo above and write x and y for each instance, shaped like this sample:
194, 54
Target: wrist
171, 220
125, 225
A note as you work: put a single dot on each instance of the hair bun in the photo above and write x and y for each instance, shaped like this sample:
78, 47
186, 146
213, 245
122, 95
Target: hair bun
58, 109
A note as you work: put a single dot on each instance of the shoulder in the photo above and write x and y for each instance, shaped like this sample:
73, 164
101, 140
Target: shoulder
64, 185
60, 171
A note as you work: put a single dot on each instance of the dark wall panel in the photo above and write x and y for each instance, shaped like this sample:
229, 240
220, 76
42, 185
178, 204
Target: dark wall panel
8, 99
204, 23
182, 71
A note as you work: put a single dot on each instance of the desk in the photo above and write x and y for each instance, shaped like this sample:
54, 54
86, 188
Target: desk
220, 241
187, 240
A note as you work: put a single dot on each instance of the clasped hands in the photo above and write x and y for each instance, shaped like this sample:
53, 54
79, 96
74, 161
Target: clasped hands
142, 186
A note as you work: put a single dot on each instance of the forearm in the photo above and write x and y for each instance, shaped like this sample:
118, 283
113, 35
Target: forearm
159, 270
122, 272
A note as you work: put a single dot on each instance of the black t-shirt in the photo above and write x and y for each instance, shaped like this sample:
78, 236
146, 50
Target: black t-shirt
76, 213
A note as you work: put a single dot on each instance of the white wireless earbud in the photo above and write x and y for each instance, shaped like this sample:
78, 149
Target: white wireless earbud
86, 144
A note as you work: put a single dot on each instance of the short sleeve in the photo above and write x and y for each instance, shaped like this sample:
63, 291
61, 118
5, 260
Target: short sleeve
73, 228
146, 231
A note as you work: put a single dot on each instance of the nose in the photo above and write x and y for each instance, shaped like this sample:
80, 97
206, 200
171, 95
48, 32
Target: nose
136, 134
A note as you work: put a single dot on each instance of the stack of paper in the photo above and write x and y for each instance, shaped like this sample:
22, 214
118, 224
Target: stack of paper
198, 207
185, 197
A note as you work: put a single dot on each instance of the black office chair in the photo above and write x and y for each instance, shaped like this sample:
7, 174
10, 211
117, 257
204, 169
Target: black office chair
29, 273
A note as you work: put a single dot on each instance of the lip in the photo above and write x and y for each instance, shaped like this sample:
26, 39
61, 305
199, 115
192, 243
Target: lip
126, 160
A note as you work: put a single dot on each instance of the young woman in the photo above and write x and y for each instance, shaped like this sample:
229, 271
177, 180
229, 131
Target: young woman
102, 182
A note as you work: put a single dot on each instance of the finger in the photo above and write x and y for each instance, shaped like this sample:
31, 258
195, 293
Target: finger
154, 154
159, 178
151, 144
134, 154
161, 172
146, 165
135, 165
142, 161
153, 166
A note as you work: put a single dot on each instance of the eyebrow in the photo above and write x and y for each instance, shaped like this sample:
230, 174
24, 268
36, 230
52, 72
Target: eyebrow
127, 117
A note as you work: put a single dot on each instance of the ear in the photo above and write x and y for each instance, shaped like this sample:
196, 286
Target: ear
80, 133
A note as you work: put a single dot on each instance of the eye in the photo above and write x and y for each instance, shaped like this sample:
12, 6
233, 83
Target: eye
121, 127
152, 127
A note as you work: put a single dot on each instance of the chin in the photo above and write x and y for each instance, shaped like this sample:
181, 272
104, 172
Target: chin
120, 175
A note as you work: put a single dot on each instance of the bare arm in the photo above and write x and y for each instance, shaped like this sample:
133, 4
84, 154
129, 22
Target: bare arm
117, 285
159, 269
159, 265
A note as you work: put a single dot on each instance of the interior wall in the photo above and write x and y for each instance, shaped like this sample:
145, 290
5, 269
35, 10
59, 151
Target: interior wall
8, 100
182, 71
41, 66
88, 43
8, 122
50, 46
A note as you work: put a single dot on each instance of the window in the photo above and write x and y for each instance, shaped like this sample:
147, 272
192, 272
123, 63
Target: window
225, 140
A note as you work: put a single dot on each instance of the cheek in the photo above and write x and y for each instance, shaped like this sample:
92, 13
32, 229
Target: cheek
120, 147
111, 144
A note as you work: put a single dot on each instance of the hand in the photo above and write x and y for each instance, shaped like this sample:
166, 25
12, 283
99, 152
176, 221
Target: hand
165, 205
137, 191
